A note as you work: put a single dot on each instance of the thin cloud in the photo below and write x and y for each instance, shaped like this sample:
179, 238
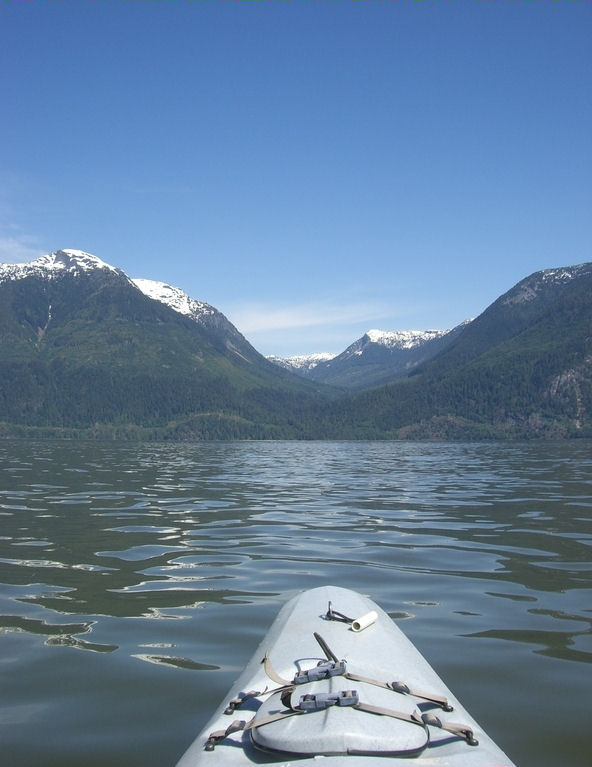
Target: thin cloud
258, 318
19, 249
324, 325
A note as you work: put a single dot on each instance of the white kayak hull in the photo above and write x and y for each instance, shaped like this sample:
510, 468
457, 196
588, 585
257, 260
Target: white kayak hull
366, 721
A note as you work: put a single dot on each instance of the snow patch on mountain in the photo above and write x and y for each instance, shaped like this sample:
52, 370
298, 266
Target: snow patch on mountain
176, 298
76, 262
528, 289
402, 339
565, 274
73, 261
59, 262
301, 362
200, 312
393, 340
390, 339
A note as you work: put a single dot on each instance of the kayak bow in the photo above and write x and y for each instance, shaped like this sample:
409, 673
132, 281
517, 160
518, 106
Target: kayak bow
352, 692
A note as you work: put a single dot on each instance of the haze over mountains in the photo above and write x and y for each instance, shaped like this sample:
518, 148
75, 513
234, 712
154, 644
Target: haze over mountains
85, 351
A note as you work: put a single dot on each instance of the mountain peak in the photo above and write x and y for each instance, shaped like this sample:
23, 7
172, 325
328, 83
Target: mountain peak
532, 287
67, 261
402, 339
73, 261
301, 363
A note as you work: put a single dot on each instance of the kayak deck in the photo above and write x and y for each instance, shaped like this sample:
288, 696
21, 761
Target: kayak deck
317, 691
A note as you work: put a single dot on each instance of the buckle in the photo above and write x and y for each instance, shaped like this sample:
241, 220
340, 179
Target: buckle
322, 700
322, 671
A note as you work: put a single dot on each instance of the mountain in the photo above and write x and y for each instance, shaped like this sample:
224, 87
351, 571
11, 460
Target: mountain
559, 298
301, 364
59, 263
204, 314
523, 368
87, 352
82, 347
381, 356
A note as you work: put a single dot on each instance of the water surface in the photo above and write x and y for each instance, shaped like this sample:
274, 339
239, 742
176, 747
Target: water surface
137, 579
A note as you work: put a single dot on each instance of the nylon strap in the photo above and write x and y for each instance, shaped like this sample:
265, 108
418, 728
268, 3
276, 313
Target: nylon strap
216, 737
272, 673
400, 687
459, 730
241, 725
241, 698
414, 717
404, 689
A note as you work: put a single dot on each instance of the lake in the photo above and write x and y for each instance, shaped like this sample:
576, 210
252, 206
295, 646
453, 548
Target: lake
137, 579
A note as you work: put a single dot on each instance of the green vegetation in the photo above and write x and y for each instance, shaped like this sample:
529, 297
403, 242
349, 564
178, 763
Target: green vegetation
522, 369
91, 356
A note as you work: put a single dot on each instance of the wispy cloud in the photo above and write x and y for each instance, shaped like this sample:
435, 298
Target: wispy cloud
259, 317
19, 248
328, 325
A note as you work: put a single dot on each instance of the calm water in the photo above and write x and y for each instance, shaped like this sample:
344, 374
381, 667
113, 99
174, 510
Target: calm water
136, 580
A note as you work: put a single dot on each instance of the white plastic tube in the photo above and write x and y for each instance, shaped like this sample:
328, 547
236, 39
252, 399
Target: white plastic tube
364, 621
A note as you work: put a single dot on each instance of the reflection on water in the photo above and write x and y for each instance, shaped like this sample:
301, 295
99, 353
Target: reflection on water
166, 563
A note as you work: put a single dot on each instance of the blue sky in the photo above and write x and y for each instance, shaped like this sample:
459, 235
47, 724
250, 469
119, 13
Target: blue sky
312, 168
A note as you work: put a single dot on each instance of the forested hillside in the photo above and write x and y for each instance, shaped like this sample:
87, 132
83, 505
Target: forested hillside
522, 368
87, 350
85, 353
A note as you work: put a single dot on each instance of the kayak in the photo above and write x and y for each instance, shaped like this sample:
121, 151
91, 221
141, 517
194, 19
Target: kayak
336, 683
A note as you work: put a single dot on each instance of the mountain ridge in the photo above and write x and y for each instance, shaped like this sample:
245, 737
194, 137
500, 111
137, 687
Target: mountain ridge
82, 347
377, 357
301, 363
84, 351
521, 369
59, 261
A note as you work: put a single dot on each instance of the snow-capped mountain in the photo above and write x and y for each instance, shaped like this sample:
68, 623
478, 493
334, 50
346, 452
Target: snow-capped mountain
176, 298
73, 263
82, 346
301, 363
546, 280
320, 366
390, 339
394, 339
377, 357
200, 312
86, 350
67, 261
78, 263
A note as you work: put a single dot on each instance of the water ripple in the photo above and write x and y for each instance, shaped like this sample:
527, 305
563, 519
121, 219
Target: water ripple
179, 556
